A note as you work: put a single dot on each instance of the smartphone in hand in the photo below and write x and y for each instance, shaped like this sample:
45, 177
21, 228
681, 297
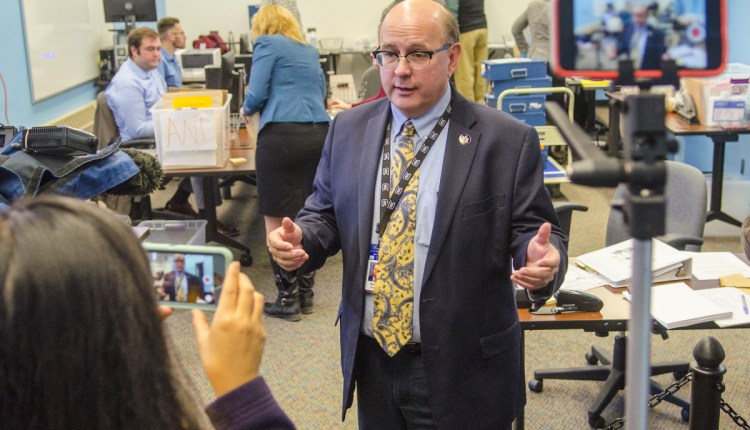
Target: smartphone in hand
188, 276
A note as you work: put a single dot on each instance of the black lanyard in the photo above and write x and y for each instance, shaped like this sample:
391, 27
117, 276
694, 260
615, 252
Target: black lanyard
388, 204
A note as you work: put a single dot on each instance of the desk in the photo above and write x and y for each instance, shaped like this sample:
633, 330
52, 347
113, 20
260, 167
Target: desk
719, 136
679, 127
211, 177
613, 317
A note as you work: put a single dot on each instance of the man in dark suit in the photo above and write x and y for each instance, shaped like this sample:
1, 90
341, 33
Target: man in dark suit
441, 349
641, 43
180, 285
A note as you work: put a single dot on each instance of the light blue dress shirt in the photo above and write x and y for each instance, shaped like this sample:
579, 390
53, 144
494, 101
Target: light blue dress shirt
131, 94
169, 69
430, 172
287, 83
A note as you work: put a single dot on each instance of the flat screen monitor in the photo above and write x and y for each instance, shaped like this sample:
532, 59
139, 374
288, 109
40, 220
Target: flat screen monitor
222, 78
226, 77
130, 10
244, 44
247, 61
193, 62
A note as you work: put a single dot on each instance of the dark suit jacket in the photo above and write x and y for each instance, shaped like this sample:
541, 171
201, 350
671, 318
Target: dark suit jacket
491, 201
653, 51
195, 286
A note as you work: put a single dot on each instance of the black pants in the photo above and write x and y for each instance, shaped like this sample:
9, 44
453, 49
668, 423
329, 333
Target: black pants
391, 391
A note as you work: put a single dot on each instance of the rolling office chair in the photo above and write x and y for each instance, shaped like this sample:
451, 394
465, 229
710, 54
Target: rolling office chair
564, 211
685, 222
369, 84
105, 129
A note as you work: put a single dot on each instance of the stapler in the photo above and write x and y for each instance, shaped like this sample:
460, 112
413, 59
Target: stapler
570, 301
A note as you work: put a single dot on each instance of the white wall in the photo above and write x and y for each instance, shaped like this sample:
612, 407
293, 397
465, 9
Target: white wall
350, 19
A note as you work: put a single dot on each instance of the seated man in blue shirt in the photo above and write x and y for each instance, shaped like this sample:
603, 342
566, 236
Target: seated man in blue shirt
135, 89
137, 86
172, 38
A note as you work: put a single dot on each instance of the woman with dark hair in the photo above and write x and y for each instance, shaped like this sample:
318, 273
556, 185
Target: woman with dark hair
81, 341
287, 86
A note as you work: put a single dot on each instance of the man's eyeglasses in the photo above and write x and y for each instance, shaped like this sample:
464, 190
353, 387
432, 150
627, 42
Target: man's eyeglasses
415, 59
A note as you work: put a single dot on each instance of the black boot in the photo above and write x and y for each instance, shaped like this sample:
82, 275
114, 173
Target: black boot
287, 304
306, 283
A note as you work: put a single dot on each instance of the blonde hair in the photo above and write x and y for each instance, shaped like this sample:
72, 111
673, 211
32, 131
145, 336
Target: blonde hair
273, 19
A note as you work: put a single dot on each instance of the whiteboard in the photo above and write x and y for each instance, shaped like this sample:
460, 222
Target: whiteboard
63, 39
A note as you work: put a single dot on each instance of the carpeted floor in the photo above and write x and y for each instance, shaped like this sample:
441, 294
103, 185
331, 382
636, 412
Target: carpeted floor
301, 361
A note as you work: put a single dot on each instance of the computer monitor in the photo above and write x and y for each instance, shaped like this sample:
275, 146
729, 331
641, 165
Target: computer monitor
244, 43
247, 61
226, 77
130, 11
193, 62
223, 79
238, 88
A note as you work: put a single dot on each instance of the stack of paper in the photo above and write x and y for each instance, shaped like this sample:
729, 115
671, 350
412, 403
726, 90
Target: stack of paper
732, 300
714, 265
677, 305
615, 263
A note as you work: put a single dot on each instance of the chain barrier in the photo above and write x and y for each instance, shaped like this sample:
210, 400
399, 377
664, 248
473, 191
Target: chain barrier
741, 422
656, 399
670, 390
618, 423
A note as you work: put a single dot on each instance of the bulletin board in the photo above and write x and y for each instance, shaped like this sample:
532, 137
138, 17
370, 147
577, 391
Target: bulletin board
62, 41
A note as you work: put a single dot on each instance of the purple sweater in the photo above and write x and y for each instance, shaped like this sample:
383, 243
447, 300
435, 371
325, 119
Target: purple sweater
249, 406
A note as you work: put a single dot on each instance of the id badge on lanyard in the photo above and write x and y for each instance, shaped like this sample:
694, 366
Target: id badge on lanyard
371, 273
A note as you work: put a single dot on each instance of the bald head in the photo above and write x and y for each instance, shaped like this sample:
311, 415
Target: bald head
423, 26
434, 9
640, 15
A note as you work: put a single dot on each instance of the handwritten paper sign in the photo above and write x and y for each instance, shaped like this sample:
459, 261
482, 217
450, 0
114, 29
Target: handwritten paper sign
192, 137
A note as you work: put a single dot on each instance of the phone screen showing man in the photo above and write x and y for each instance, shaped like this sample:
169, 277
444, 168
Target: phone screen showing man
598, 35
187, 279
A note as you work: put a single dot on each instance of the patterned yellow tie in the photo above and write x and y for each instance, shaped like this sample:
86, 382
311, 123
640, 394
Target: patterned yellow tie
180, 292
394, 283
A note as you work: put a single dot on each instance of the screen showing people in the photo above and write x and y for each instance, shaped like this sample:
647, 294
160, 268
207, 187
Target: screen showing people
187, 278
644, 32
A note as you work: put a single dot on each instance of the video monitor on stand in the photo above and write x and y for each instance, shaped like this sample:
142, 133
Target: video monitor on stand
128, 12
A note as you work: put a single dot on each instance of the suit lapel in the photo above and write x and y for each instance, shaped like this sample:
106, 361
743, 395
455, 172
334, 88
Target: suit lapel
371, 153
456, 167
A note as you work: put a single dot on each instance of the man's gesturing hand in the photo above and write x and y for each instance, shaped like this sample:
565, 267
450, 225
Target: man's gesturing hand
542, 260
285, 245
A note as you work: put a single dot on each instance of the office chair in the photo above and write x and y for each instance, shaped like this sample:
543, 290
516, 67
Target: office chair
369, 84
105, 129
564, 211
226, 183
685, 190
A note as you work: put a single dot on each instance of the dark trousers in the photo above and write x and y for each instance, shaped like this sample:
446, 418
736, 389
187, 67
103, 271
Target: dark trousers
391, 391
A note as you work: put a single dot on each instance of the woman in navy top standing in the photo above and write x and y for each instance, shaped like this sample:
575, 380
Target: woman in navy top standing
287, 86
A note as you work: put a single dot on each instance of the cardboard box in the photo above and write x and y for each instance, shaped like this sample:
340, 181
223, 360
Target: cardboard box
716, 102
192, 129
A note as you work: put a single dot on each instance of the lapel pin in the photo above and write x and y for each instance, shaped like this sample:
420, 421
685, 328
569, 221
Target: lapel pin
464, 139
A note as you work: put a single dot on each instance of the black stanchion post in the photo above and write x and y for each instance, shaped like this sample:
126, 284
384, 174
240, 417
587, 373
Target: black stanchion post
708, 374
